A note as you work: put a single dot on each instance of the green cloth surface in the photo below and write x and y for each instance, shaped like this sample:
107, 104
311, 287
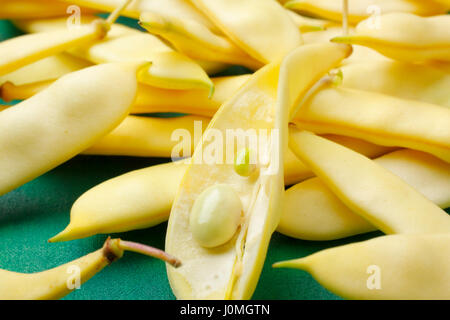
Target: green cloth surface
40, 209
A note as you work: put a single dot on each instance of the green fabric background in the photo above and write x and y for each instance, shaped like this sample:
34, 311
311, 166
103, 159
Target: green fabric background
40, 209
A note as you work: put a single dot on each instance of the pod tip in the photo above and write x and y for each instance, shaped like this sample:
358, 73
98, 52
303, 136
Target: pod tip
291, 264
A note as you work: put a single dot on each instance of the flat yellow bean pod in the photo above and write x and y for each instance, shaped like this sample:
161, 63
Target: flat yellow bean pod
378, 118
180, 9
196, 41
169, 69
405, 37
403, 80
362, 9
231, 271
224, 266
127, 208
388, 267
254, 25
26, 49
152, 99
313, 212
30, 9
146, 137
368, 189
50, 68
74, 112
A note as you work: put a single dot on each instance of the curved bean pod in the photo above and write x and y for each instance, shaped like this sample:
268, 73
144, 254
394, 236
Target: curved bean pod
363, 9
63, 120
406, 266
378, 118
196, 40
259, 25
368, 189
405, 37
313, 212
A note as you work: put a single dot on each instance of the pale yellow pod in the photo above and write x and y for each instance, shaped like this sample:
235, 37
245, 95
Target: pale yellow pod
405, 37
180, 9
368, 189
26, 49
196, 41
254, 25
363, 9
313, 212
378, 118
50, 68
153, 99
150, 137
63, 120
169, 69
389, 267
231, 271
135, 200
399, 79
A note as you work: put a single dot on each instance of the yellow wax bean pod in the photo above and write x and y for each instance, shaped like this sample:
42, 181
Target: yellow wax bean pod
149, 137
232, 269
378, 118
50, 68
30, 9
122, 203
135, 200
226, 265
60, 281
169, 69
403, 80
307, 24
152, 99
180, 9
363, 9
389, 267
196, 40
405, 37
313, 212
26, 49
74, 112
254, 25
368, 189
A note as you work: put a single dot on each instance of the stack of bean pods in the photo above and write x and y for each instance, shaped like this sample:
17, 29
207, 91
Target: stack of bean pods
355, 98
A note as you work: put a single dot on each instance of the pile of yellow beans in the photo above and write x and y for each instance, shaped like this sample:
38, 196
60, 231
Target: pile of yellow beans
348, 103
